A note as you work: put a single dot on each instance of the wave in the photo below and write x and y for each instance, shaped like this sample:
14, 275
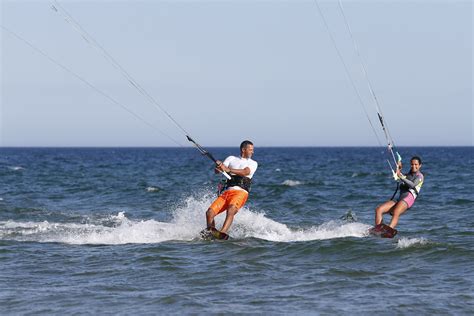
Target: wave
411, 242
126, 232
292, 183
367, 174
258, 226
152, 189
16, 168
462, 202
187, 221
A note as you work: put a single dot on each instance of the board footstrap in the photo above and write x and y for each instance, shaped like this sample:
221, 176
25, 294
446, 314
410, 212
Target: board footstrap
212, 233
383, 231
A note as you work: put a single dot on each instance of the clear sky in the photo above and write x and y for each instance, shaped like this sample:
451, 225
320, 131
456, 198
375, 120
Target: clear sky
232, 70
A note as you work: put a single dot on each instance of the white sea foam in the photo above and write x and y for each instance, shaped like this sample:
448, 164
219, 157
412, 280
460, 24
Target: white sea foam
292, 183
186, 224
410, 242
127, 231
250, 224
187, 221
152, 189
16, 168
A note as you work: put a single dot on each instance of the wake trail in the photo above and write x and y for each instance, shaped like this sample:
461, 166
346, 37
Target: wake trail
187, 221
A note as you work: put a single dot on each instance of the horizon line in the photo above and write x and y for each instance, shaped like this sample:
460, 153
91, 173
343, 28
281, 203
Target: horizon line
220, 146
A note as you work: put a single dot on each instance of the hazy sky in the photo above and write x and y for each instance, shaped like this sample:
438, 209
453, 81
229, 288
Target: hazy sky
233, 70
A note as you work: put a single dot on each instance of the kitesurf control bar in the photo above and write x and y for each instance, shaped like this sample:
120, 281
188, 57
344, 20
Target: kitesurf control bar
208, 154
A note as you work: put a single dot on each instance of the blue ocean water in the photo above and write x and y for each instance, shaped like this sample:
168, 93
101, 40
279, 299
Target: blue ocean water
115, 231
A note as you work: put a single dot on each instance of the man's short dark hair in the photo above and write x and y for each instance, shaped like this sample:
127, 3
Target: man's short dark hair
244, 144
416, 158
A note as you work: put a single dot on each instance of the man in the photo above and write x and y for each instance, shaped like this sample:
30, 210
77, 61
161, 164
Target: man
410, 186
241, 169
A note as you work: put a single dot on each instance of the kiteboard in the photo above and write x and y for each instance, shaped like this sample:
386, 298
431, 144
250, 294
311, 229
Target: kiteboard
212, 233
383, 231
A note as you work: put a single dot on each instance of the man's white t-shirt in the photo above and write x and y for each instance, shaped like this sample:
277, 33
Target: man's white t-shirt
241, 163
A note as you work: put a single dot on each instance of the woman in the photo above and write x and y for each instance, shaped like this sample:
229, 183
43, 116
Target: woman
410, 186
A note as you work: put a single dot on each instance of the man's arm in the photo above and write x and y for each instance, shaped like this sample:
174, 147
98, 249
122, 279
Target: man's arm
224, 166
217, 169
240, 172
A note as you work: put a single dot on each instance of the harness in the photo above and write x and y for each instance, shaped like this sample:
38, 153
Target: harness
415, 191
235, 181
239, 181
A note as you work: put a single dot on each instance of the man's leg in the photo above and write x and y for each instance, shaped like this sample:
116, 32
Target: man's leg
382, 209
398, 210
229, 218
210, 214
216, 208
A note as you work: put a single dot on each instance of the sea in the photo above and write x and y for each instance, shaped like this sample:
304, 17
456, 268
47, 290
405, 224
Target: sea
115, 231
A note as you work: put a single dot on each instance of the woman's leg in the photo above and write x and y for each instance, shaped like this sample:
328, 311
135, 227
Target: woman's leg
398, 210
382, 209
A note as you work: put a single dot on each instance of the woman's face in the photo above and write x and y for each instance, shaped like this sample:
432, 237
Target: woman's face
415, 165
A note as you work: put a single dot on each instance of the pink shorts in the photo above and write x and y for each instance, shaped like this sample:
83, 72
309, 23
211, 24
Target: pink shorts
409, 200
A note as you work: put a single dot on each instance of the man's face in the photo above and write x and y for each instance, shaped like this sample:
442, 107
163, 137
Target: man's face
247, 151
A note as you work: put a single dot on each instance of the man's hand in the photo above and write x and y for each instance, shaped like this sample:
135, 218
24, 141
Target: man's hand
219, 166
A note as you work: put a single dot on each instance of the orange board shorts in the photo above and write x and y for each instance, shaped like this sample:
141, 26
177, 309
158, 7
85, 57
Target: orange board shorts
229, 197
